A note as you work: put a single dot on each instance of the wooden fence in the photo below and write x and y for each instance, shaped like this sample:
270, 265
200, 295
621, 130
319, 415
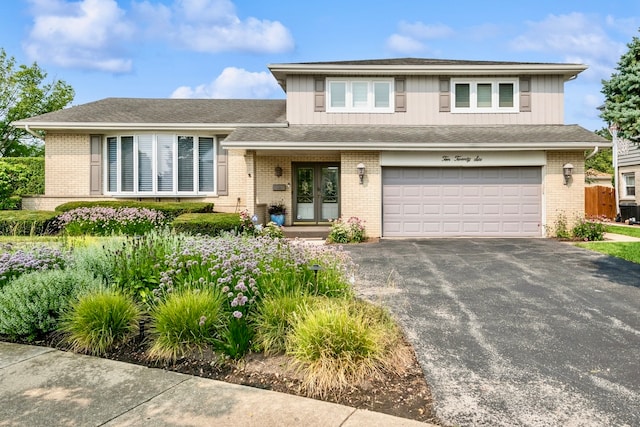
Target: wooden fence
599, 202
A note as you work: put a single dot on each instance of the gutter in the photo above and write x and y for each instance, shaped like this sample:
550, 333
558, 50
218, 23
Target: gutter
32, 133
143, 126
595, 150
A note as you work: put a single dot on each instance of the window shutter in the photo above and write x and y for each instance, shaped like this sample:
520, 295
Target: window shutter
95, 176
401, 96
525, 94
222, 173
319, 95
445, 96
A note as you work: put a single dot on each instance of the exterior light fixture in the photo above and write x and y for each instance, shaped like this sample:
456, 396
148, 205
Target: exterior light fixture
567, 171
360, 169
278, 171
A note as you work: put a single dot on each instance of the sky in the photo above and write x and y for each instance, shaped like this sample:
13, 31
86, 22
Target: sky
221, 48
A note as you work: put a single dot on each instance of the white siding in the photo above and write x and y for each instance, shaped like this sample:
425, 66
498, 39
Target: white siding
547, 97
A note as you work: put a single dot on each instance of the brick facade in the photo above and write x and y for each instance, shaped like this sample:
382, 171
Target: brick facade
560, 199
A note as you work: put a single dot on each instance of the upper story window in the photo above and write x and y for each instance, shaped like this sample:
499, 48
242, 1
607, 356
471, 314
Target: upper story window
629, 183
162, 164
360, 95
484, 95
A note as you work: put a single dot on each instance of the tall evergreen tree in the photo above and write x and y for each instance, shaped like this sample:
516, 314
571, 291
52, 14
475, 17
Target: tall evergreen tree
24, 93
622, 94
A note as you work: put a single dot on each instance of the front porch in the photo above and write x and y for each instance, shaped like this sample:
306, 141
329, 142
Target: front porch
306, 231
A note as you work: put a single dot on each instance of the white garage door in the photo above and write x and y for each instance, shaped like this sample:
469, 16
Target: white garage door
427, 202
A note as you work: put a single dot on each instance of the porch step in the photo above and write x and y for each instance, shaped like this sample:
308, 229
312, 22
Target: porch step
306, 231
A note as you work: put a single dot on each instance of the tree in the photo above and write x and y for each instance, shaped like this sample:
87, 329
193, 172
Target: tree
622, 94
23, 94
602, 161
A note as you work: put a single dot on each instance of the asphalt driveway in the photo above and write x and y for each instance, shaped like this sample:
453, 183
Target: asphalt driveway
515, 331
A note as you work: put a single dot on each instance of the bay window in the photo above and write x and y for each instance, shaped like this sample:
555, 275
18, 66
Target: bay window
484, 95
360, 95
160, 164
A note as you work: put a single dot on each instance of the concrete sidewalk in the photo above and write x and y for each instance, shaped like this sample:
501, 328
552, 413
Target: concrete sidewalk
40, 386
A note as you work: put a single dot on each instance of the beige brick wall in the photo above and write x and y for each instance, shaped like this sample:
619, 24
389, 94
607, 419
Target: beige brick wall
560, 199
362, 200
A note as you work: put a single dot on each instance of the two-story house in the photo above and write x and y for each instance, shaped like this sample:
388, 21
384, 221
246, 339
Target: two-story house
415, 147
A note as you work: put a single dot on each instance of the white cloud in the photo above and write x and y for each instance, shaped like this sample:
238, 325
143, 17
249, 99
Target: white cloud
213, 26
232, 83
577, 38
411, 36
88, 34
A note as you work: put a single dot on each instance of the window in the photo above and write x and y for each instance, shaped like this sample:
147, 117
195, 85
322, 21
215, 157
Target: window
629, 182
160, 164
360, 96
484, 96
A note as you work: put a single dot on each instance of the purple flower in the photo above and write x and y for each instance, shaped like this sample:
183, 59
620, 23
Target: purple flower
237, 314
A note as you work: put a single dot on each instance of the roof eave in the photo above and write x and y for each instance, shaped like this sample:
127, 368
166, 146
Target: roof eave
409, 146
141, 126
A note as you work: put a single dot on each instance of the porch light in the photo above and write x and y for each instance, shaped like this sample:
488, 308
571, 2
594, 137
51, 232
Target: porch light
360, 169
567, 171
278, 171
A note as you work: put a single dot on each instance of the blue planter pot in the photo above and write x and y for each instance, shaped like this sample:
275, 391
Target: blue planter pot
278, 219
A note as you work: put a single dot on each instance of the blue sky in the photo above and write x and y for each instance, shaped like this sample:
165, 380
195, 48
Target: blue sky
220, 48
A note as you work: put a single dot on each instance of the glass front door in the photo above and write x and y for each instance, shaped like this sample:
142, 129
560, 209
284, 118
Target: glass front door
316, 193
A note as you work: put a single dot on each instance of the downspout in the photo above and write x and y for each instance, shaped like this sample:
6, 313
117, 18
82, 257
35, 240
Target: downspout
595, 150
32, 133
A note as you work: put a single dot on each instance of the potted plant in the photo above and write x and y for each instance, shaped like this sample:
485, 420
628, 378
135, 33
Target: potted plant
277, 212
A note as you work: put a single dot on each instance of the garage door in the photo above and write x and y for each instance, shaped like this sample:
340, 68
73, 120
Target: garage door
427, 202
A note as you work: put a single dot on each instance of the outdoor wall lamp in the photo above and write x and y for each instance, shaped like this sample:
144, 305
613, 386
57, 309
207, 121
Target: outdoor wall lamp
278, 171
360, 169
567, 171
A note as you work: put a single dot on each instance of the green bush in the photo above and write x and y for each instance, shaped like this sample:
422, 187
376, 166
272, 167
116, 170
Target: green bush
27, 223
32, 304
589, 230
98, 320
187, 320
349, 231
30, 178
169, 209
344, 342
212, 224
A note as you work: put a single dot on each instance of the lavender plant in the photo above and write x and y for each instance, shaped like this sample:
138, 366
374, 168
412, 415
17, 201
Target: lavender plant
14, 263
106, 221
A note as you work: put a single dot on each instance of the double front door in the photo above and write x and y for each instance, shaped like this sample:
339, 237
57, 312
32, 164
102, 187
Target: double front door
316, 192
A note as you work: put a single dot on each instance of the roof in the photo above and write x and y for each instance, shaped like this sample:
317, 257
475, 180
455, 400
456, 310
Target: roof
424, 66
418, 138
142, 113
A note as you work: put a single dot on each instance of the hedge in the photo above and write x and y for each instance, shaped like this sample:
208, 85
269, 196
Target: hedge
211, 224
31, 169
171, 210
27, 223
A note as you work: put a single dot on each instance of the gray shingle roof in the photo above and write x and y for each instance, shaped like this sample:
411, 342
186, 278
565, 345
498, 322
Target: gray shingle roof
181, 111
419, 61
419, 134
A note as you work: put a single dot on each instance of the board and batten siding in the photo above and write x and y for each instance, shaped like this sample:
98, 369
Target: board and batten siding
422, 105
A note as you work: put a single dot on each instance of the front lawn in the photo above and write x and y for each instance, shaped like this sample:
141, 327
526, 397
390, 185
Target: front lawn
627, 231
625, 250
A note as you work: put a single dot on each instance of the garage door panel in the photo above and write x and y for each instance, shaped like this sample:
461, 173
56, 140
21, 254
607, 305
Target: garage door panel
462, 201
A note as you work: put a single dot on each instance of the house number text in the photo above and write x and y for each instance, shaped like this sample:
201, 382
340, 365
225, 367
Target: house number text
459, 158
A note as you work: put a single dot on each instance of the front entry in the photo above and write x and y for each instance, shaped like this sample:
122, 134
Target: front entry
316, 192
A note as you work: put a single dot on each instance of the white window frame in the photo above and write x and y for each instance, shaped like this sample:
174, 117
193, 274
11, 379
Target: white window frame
370, 106
495, 95
155, 192
626, 184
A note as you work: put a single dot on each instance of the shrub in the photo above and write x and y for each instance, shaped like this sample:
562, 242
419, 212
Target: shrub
32, 304
272, 230
350, 231
188, 319
212, 224
11, 203
104, 221
343, 343
98, 320
16, 263
589, 230
169, 209
27, 223
29, 179
561, 228
274, 318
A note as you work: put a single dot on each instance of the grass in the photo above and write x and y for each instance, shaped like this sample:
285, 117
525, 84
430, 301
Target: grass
629, 251
627, 231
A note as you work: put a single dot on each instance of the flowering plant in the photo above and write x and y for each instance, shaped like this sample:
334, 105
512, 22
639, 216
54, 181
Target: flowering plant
17, 263
277, 209
349, 231
106, 221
